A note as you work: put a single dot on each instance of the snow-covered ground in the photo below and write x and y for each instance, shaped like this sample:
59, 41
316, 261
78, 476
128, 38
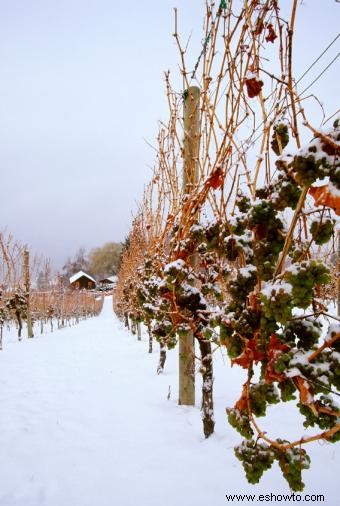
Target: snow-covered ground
85, 421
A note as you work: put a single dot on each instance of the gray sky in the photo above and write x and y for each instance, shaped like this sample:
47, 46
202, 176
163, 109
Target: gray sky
81, 87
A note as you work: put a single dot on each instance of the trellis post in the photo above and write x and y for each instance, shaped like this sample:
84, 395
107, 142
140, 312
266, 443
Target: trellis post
190, 180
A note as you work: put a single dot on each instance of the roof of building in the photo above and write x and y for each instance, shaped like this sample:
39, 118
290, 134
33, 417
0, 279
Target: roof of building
79, 275
110, 279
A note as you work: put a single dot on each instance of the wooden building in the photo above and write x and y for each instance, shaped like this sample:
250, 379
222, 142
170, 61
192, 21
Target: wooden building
82, 281
107, 284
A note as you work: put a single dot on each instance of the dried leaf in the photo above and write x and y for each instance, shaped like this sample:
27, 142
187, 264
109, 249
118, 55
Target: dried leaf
216, 179
323, 197
250, 354
271, 35
254, 87
276, 347
242, 403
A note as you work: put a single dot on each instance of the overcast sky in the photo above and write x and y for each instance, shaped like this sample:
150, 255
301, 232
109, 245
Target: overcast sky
81, 87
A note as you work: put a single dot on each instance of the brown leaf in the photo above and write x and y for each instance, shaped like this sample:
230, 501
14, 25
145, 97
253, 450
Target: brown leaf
242, 403
216, 179
254, 87
271, 35
250, 354
276, 347
323, 197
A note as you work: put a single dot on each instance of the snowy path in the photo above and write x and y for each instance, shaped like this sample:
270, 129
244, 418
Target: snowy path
85, 421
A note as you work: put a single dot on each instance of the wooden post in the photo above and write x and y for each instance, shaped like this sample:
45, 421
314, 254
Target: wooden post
190, 179
27, 289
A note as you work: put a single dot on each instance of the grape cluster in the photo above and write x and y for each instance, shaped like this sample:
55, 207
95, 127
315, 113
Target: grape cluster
232, 248
282, 362
280, 138
268, 326
243, 203
264, 214
287, 390
304, 277
197, 233
230, 339
165, 333
303, 333
268, 229
317, 161
256, 458
288, 193
260, 395
277, 306
322, 231
292, 462
323, 420
334, 177
283, 193
189, 298
308, 169
240, 287
246, 321
212, 236
240, 421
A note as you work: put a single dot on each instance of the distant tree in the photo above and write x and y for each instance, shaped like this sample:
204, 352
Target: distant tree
78, 263
104, 261
44, 279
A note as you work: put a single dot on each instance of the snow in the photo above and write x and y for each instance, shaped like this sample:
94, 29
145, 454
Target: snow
270, 289
79, 274
85, 421
246, 272
176, 264
333, 329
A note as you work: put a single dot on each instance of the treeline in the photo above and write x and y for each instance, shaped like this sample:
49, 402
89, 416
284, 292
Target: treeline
99, 262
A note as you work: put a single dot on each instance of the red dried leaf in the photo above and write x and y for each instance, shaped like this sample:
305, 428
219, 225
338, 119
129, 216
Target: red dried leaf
250, 354
323, 197
242, 403
254, 87
271, 35
276, 347
216, 179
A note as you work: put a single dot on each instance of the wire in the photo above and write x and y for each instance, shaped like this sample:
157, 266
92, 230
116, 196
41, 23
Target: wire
318, 58
252, 142
319, 384
321, 73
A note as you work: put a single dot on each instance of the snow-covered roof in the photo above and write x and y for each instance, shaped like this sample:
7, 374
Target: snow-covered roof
111, 279
79, 275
